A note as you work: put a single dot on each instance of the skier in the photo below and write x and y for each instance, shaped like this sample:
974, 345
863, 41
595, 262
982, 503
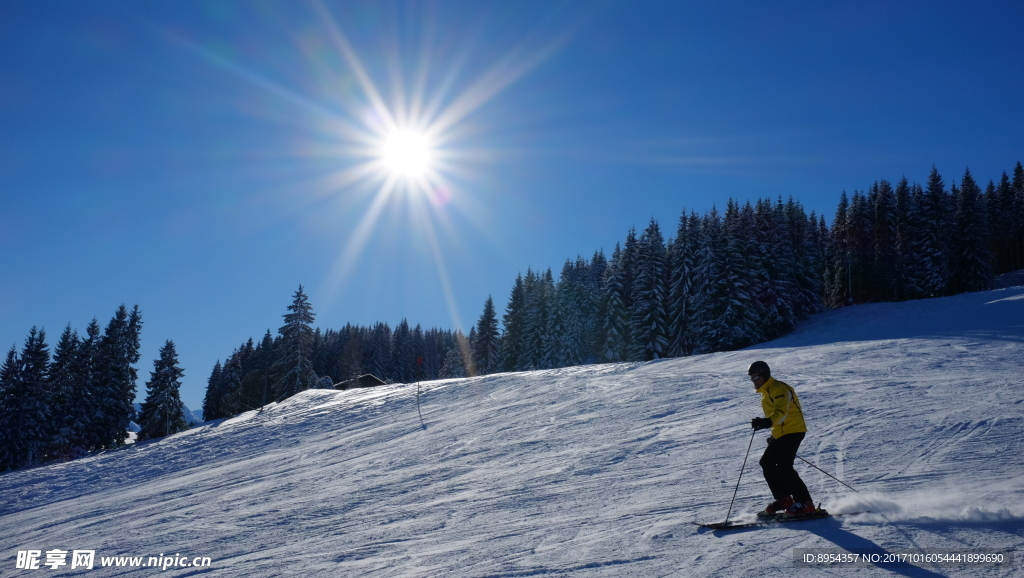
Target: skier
786, 420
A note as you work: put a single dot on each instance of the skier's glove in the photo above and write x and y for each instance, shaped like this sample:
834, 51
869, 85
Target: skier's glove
759, 423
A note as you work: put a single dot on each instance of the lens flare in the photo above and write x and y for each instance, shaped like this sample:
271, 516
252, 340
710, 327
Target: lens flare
401, 137
407, 153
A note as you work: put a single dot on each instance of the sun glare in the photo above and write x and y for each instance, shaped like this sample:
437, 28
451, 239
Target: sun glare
407, 153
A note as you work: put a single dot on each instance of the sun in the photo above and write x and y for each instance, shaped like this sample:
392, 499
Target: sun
407, 153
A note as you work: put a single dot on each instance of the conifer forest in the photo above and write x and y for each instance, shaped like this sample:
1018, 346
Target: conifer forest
717, 281
722, 281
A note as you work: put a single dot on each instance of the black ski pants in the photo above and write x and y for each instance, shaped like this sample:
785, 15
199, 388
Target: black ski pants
777, 463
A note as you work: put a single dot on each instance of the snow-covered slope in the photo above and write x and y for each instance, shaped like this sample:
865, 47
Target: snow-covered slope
587, 471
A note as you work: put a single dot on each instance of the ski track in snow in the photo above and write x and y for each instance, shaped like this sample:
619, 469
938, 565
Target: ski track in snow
586, 471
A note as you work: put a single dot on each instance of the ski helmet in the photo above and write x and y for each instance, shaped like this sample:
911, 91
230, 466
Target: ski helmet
760, 368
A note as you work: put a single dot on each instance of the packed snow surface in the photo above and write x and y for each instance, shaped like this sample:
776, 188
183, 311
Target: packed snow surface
598, 470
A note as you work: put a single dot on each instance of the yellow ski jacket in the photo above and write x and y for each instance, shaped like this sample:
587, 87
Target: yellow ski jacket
782, 406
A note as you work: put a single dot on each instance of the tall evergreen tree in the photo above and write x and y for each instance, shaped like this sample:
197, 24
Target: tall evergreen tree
971, 257
573, 310
807, 251
30, 400
550, 337
908, 276
538, 351
935, 227
162, 412
379, 362
231, 386
456, 355
595, 321
68, 424
1017, 238
617, 327
1004, 219
255, 387
297, 342
487, 346
884, 277
513, 327
10, 420
736, 265
859, 230
775, 269
89, 370
681, 259
649, 313
212, 403
839, 284
453, 366
115, 386
403, 367
710, 288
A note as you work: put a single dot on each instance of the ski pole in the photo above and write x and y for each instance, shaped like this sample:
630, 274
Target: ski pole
828, 474
729, 513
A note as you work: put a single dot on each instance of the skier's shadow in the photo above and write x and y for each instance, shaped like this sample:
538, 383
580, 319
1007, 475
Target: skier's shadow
832, 530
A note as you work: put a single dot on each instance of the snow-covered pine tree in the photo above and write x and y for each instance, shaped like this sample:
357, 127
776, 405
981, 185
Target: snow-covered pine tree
1004, 216
972, 260
1018, 227
231, 387
513, 326
30, 400
162, 412
487, 344
551, 337
784, 270
681, 257
452, 367
649, 315
350, 365
859, 231
617, 329
935, 246
457, 352
710, 291
839, 283
67, 422
911, 246
115, 387
419, 352
403, 355
884, 236
573, 309
255, 388
88, 369
433, 352
10, 421
806, 250
595, 322
829, 262
540, 295
297, 343
739, 314
770, 267
380, 344
214, 394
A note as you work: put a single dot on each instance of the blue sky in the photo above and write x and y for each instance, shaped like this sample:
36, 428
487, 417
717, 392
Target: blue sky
203, 160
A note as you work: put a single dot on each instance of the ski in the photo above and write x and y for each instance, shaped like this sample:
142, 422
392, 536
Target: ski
761, 522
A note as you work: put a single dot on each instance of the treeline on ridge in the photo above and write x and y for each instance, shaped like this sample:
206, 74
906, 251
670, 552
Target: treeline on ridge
723, 281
